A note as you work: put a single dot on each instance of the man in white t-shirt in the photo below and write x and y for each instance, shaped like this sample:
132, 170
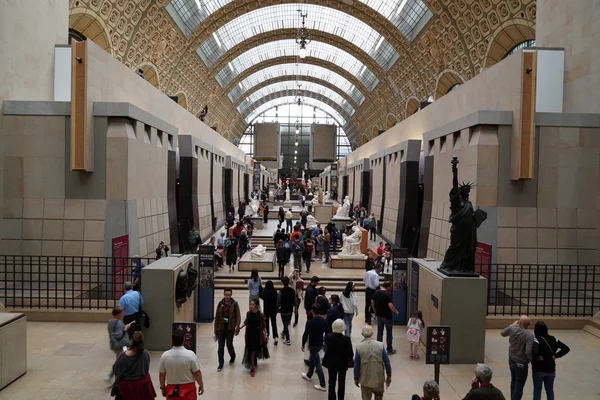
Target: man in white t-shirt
179, 368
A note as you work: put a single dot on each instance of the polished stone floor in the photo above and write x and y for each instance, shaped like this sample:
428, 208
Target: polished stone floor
69, 361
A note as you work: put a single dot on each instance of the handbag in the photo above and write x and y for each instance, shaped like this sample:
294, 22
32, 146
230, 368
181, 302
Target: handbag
144, 319
113, 390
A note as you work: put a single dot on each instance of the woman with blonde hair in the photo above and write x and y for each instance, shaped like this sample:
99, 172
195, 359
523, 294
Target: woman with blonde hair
338, 358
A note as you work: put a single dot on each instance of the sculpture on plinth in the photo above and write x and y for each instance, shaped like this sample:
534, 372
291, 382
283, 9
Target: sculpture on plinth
258, 253
311, 222
344, 210
287, 194
460, 255
351, 247
254, 206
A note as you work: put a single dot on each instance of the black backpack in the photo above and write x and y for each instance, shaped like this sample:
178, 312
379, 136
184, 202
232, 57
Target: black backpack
296, 247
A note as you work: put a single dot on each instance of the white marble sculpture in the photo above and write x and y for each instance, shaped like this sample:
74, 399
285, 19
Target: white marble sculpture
320, 197
258, 253
351, 246
314, 201
326, 197
344, 210
254, 206
271, 193
309, 184
311, 222
287, 194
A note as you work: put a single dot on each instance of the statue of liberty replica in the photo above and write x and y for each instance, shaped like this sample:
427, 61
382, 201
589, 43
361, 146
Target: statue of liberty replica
464, 221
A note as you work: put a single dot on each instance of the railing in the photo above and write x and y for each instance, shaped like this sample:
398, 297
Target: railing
542, 290
91, 283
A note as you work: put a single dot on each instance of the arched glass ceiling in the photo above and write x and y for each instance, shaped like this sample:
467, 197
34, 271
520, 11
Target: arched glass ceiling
298, 70
404, 14
293, 87
288, 47
284, 16
291, 99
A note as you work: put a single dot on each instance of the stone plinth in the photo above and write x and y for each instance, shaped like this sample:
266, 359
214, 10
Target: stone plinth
323, 214
364, 243
160, 279
457, 302
350, 262
13, 347
247, 263
258, 222
341, 222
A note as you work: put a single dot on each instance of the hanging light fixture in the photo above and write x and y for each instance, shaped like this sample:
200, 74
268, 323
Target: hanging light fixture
302, 37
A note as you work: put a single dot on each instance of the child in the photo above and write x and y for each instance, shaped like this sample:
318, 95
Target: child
413, 333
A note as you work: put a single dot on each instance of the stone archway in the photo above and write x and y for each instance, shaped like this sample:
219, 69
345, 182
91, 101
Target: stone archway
390, 121
150, 73
412, 106
182, 100
446, 80
86, 23
507, 37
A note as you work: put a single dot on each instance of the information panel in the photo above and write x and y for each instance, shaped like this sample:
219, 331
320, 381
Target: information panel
206, 284
334, 180
189, 334
438, 345
400, 283
256, 179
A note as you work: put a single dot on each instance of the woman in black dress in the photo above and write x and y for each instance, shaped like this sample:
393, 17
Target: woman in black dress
256, 337
269, 296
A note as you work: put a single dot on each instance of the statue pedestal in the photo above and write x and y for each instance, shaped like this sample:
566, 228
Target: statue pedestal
258, 222
459, 302
364, 243
341, 222
287, 205
348, 262
247, 263
323, 214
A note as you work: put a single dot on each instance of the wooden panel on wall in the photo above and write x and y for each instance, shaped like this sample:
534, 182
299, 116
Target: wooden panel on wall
79, 106
528, 75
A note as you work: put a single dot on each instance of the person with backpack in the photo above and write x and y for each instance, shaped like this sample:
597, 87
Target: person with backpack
307, 253
546, 349
298, 250
231, 248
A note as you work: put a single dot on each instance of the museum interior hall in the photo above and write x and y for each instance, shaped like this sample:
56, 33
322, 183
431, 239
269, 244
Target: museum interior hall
424, 175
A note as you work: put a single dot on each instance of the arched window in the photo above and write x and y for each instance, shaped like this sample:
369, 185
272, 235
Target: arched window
522, 45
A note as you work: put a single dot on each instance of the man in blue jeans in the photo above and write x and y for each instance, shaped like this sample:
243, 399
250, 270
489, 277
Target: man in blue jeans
519, 354
383, 307
315, 331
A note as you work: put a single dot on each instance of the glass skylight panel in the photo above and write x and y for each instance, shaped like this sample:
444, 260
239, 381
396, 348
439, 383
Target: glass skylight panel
188, 14
288, 47
284, 16
292, 87
292, 100
403, 14
300, 71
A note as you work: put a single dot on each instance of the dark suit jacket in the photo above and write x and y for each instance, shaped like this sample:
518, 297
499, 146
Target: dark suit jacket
339, 351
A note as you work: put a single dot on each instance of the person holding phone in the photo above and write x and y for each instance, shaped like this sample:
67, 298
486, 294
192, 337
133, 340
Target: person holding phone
481, 386
118, 339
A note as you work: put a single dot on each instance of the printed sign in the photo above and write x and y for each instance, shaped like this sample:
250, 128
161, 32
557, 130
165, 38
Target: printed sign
483, 259
256, 178
400, 283
334, 178
400, 257
438, 345
189, 334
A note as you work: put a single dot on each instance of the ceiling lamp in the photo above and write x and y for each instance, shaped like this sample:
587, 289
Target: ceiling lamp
296, 144
302, 37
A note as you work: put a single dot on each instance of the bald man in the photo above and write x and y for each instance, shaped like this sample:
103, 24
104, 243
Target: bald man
519, 354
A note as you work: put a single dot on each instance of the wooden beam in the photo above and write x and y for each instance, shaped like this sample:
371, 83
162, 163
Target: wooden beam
79, 106
528, 78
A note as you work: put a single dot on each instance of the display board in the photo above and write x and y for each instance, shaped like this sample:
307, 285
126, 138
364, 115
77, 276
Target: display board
267, 142
400, 283
323, 143
189, 334
206, 284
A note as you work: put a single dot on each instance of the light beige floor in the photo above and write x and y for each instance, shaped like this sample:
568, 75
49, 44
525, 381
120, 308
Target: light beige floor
69, 361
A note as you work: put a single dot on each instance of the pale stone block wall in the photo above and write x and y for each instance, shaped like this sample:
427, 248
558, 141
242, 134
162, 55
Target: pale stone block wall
392, 194
377, 187
477, 151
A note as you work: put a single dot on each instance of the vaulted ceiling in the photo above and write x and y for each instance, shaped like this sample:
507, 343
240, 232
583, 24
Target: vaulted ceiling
368, 63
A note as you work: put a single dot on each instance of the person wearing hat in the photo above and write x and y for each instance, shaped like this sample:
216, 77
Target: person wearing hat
162, 251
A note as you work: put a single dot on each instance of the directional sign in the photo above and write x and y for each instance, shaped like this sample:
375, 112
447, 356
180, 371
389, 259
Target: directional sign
189, 334
438, 345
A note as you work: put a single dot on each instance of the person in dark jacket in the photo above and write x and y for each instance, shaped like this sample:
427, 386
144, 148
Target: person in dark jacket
546, 349
286, 300
336, 311
231, 248
338, 357
162, 251
269, 296
282, 258
322, 300
265, 212
227, 320
310, 295
229, 221
481, 386
315, 331
243, 244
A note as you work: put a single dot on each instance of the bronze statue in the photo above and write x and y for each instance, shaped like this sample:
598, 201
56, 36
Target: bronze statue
460, 255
